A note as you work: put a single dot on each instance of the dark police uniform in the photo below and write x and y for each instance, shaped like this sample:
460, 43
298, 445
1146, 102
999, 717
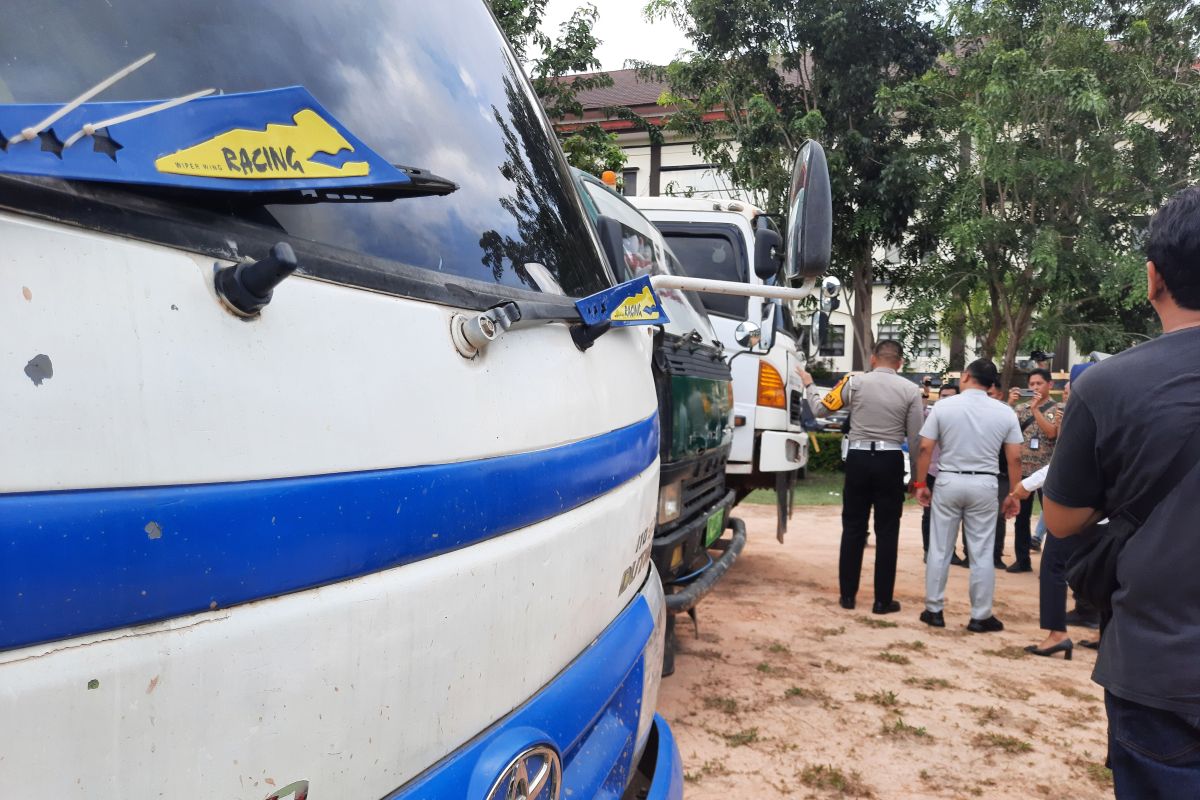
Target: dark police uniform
885, 410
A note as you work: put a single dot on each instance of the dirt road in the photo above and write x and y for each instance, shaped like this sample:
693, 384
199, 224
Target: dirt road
785, 694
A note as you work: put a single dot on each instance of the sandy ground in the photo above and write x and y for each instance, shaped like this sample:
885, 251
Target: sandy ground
785, 694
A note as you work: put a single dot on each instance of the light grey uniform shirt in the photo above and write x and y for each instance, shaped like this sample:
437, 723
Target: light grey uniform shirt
884, 407
971, 428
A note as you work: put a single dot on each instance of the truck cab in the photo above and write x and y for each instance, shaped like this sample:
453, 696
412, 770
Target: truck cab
695, 402
309, 491
726, 240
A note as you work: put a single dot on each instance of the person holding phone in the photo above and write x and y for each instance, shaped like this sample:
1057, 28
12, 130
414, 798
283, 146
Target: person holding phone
1039, 419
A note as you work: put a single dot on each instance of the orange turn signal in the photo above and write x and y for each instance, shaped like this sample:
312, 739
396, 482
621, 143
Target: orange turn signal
771, 390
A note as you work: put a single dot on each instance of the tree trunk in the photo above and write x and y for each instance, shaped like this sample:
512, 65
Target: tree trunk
863, 284
1016, 335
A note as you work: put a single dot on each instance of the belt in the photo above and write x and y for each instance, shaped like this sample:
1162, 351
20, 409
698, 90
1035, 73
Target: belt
965, 472
875, 446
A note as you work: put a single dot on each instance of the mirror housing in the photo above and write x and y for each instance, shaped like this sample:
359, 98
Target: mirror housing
768, 253
810, 217
748, 334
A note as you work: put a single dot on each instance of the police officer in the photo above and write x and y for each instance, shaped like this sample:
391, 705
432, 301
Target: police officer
885, 410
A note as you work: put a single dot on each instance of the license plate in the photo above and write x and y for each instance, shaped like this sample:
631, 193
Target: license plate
715, 527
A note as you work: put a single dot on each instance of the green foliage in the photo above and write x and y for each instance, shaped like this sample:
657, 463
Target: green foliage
830, 457
552, 63
783, 71
1060, 125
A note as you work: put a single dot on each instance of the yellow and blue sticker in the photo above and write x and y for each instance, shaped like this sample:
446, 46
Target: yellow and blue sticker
269, 141
631, 303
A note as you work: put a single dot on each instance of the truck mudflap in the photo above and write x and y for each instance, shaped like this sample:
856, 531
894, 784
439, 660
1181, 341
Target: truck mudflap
686, 598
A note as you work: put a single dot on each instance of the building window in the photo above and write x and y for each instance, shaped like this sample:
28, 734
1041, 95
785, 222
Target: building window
928, 346
629, 188
835, 342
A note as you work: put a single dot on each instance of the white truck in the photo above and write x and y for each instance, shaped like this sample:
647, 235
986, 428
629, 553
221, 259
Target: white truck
735, 241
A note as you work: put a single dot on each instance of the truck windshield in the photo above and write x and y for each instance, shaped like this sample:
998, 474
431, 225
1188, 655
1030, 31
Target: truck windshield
431, 85
712, 251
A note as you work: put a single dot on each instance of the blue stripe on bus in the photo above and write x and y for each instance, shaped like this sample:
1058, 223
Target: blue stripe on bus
77, 562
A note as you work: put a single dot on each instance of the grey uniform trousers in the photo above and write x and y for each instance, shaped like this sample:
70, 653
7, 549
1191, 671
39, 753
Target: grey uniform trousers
971, 501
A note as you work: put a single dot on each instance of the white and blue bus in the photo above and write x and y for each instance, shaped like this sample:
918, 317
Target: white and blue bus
308, 489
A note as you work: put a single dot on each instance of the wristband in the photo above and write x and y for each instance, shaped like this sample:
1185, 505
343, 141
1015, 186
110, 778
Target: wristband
920, 485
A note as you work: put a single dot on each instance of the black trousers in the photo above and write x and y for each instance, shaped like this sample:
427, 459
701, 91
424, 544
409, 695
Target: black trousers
1022, 528
874, 480
1001, 522
1052, 581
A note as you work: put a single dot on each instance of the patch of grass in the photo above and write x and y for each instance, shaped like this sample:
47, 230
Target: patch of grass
1007, 652
741, 738
893, 658
871, 622
929, 684
990, 715
763, 667
726, 705
902, 730
708, 654
880, 698
1002, 741
710, 767
803, 693
835, 667
1071, 692
779, 648
1096, 773
825, 633
828, 778
915, 646
818, 489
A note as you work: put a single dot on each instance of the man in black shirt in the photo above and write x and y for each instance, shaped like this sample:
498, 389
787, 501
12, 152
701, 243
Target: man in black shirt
1127, 418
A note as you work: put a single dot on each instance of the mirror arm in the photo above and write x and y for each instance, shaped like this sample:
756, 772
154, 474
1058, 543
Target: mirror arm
708, 286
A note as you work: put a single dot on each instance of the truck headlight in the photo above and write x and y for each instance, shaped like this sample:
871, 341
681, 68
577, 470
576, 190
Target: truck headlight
652, 659
670, 502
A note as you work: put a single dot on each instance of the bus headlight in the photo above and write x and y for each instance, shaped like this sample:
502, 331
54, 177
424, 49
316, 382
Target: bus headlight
652, 658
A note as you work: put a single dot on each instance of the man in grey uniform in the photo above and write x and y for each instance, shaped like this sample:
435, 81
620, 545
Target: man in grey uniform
970, 429
885, 410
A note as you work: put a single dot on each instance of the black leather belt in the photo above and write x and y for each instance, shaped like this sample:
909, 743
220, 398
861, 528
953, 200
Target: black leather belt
965, 472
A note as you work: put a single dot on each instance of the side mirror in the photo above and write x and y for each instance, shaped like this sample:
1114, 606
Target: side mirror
810, 217
610, 233
748, 334
831, 287
768, 253
819, 333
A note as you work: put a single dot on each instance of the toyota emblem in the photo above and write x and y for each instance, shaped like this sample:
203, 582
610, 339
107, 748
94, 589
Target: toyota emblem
535, 774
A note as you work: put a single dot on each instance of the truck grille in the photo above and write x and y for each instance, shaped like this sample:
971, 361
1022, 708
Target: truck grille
703, 491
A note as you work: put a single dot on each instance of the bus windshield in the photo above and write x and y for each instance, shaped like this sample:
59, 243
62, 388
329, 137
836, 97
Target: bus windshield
429, 85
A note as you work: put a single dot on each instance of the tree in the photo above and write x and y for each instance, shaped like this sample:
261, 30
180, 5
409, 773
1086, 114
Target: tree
1060, 124
786, 70
552, 64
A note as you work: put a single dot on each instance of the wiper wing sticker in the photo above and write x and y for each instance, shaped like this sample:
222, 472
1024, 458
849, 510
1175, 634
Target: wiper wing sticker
280, 144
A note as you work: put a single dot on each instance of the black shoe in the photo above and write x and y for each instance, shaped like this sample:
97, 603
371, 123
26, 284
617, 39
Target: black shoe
885, 608
1090, 644
846, 603
955, 561
1066, 647
1035, 546
999, 564
1082, 620
933, 619
1019, 567
989, 625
